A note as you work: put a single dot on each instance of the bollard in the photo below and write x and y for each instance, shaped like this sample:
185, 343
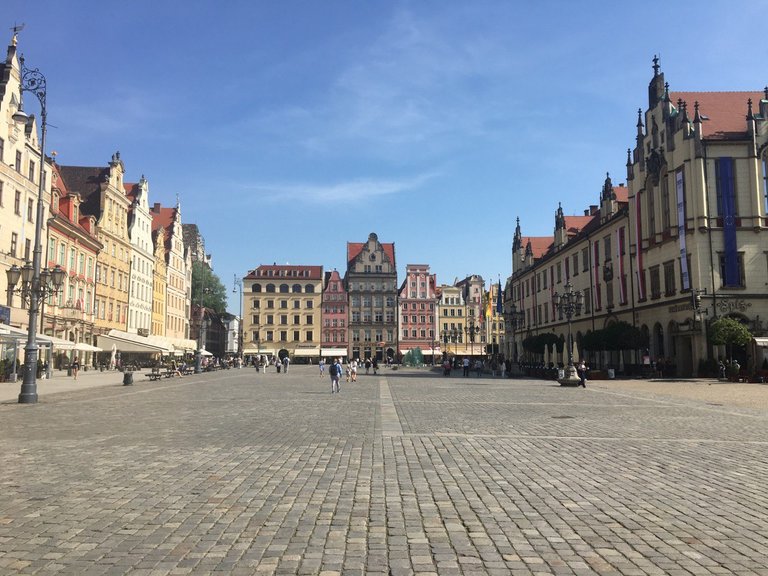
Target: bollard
127, 378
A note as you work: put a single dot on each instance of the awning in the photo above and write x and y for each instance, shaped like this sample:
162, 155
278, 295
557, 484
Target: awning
762, 342
333, 351
20, 334
182, 345
267, 351
127, 342
306, 352
204, 352
83, 347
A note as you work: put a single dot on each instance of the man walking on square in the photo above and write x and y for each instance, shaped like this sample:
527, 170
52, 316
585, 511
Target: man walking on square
334, 370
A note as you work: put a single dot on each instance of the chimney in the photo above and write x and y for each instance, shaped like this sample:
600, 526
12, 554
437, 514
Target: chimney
592, 209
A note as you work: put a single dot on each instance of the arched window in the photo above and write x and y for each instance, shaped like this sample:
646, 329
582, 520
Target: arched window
297, 288
256, 288
284, 288
309, 289
270, 287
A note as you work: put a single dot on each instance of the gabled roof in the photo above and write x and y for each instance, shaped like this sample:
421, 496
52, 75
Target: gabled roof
354, 249
86, 181
575, 224
540, 244
622, 193
726, 111
131, 189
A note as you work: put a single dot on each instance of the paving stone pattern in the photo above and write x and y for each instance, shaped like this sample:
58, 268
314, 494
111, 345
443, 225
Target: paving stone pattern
400, 473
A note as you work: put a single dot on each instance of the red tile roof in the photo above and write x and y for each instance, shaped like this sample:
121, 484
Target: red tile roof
354, 249
726, 111
539, 244
575, 224
622, 193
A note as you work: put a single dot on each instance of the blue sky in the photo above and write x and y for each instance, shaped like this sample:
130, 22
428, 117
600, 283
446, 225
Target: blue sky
288, 128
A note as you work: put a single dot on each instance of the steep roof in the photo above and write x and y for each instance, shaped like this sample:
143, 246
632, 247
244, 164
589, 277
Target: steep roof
86, 181
726, 111
354, 249
574, 224
540, 244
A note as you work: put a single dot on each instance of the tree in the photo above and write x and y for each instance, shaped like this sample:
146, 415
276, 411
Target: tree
213, 291
729, 331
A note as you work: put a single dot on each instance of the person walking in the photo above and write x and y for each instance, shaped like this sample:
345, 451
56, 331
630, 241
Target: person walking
353, 370
286, 362
75, 367
375, 365
581, 370
465, 366
334, 370
322, 367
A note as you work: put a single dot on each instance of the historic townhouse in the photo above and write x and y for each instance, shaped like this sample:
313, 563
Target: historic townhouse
473, 291
371, 281
452, 311
282, 311
494, 321
333, 341
417, 311
159, 282
681, 245
19, 182
72, 243
142, 259
177, 260
697, 181
103, 198
587, 253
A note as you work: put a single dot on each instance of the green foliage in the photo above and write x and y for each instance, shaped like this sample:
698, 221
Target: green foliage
536, 344
729, 331
615, 336
213, 291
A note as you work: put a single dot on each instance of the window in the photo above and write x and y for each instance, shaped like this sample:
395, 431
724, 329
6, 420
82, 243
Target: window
575, 266
14, 243
270, 303
669, 279
737, 279
270, 319
725, 187
309, 320
310, 336
17, 203
28, 249
665, 203
607, 248
255, 319
2, 149
1, 192
270, 336
585, 260
559, 272
587, 301
18, 161
30, 209
296, 336
296, 319
651, 212
283, 319
32, 170
284, 288
655, 282
283, 335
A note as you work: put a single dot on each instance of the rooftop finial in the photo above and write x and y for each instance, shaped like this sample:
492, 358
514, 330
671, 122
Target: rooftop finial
655, 65
750, 116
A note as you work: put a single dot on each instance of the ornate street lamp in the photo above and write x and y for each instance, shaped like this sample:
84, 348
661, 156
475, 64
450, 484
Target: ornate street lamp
239, 285
472, 331
36, 284
569, 303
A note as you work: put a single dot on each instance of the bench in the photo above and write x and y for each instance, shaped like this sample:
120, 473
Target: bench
155, 374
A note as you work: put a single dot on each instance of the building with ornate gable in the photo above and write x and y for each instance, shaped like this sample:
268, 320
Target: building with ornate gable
142, 265
417, 311
371, 281
103, 198
681, 244
333, 341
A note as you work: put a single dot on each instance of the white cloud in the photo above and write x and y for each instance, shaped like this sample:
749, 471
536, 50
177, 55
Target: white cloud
356, 191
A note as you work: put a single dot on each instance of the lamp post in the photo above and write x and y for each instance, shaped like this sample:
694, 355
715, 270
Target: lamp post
569, 303
239, 284
37, 284
472, 330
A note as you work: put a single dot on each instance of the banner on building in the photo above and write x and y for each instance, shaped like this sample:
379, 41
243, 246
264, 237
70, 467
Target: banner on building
680, 184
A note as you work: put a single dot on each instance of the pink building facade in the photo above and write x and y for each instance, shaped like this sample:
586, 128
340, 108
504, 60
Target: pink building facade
417, 312
333, 337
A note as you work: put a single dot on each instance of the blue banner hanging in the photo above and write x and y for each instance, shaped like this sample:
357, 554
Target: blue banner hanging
728, 199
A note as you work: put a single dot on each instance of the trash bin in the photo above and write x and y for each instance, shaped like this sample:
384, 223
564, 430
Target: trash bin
560, 373
127, 378
611, 374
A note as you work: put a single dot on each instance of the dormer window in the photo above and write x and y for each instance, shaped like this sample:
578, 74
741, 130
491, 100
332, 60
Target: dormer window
373, 257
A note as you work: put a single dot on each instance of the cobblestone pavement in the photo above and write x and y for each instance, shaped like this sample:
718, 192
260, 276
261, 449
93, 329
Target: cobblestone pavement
406, 472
